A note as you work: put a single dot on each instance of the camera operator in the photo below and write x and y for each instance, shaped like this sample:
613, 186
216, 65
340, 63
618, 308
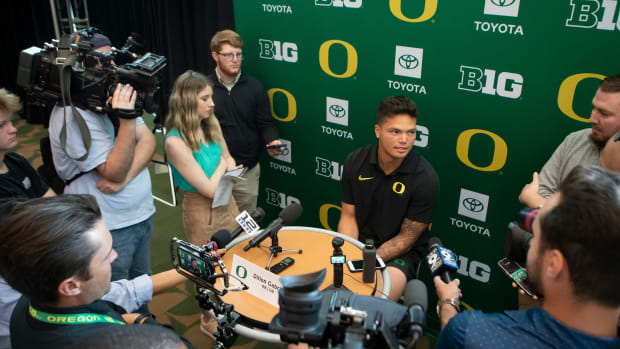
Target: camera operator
572, 261
113, 170
57, 252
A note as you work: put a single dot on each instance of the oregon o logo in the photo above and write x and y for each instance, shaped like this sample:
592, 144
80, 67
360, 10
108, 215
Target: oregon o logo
351, 58
241, 268
408, 61
323, 211
472, 204
398, 187
500, 151
503, 3
292, 104
430, 7
566, 94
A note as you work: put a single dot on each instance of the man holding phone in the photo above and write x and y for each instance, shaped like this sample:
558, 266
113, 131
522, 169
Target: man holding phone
242, 108
571, 261
389, 193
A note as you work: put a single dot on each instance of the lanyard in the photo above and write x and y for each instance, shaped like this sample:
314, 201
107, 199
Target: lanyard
72, 319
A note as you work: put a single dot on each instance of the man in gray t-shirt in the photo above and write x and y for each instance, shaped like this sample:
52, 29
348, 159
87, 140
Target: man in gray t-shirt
578, 148
114, 170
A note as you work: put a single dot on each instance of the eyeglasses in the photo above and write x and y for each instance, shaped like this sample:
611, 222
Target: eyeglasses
229, 56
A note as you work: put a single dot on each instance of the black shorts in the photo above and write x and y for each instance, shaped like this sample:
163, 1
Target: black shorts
408, 263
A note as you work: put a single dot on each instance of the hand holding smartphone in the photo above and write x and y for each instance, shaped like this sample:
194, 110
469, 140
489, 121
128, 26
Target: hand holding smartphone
515, 272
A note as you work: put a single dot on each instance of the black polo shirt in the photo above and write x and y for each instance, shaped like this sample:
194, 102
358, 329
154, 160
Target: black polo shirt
383, 201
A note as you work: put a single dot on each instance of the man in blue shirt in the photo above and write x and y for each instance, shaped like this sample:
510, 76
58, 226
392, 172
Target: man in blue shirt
572, 261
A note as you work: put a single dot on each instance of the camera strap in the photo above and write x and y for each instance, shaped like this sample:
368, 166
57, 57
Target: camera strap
67, 60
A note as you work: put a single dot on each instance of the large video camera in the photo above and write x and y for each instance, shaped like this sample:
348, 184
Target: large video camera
339, 318
92, 75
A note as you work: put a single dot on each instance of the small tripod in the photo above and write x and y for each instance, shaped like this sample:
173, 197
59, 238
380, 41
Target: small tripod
275, 248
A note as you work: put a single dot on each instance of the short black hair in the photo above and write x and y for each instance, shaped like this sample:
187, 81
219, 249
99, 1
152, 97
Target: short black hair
585, 227
43, 242
395, 105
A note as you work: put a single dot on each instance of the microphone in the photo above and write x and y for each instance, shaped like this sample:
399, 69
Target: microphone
416, 298
441, 261
257, 215
287, 216
221, 238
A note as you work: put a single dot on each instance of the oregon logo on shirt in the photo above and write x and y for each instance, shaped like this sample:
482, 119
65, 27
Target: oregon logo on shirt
398, 188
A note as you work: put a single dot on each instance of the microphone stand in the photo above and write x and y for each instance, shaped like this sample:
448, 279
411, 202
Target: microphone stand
275, 248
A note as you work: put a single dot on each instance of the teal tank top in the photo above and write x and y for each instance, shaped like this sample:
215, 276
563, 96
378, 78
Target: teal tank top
208, 158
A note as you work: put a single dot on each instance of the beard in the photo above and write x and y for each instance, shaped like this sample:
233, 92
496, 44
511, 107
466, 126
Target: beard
599, 143
533, 276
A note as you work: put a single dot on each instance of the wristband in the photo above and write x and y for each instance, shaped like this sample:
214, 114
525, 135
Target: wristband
142, 316
125, 113
455, 302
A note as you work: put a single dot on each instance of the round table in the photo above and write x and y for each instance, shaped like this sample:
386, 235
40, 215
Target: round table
317, 250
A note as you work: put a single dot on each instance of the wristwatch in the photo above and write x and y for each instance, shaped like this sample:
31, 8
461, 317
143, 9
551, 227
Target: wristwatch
455, 302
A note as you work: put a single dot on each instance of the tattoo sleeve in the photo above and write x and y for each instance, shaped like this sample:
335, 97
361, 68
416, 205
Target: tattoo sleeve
410, 231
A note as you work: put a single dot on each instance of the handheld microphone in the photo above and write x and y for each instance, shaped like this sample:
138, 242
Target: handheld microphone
221, 238
287, 216
416, 298
257, 215
441, 261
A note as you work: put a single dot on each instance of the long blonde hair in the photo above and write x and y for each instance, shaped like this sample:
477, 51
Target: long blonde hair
183, 111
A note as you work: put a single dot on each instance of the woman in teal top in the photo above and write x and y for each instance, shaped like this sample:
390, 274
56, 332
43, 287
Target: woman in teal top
198, 156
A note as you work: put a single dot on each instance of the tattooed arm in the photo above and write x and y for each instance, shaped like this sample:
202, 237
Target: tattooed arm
410, 231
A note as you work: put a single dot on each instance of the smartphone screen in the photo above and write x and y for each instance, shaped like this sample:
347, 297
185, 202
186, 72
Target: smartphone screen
191, 262
358, 265
517, 274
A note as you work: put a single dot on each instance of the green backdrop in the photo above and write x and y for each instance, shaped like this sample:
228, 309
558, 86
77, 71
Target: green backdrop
498, 85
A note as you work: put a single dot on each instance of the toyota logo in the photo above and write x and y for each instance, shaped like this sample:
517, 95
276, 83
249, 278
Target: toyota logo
285, 151
409, 61
473, 205
337, 111
503, 3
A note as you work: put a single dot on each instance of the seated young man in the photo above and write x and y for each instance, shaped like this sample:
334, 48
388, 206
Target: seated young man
58, 252
389, 192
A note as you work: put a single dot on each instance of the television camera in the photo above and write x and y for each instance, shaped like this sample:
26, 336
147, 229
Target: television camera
76, 73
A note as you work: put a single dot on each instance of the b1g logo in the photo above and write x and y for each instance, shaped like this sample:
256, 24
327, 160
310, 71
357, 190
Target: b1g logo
286, 51
329, 169
566, 94
474, 269
337, 111
500, 150
430, 7
351, 58
509, 85
408, 61
502, 7
339, 3
473, 205
421, 136
278, 199
588, 14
